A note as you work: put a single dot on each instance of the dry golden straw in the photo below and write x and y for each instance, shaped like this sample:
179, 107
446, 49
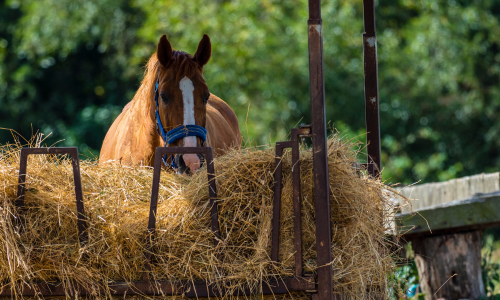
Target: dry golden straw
117, 199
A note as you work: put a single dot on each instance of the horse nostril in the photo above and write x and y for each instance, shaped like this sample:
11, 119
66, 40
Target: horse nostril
183, 167
181, 164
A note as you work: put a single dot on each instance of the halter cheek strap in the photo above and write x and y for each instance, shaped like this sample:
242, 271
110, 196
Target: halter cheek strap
176, 133
159, 126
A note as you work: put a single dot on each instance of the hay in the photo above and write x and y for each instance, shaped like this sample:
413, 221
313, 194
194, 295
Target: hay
117, 201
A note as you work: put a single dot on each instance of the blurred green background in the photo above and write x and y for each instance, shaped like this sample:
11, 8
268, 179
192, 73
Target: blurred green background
69, 66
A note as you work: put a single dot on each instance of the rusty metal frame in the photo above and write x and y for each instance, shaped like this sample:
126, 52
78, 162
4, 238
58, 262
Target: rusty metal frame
372, 115
212, 189
320, 160
189, 289
75, 162
275, 239
212, 192
303, 131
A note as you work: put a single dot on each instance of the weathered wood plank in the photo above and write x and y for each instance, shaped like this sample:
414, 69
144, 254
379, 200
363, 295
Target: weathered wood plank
476, 184
463, 188
491, 182
480, 211
431, 194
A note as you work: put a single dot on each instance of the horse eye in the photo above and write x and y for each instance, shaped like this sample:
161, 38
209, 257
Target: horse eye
164, 98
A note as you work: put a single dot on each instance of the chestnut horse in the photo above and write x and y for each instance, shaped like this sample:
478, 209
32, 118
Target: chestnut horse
172, 107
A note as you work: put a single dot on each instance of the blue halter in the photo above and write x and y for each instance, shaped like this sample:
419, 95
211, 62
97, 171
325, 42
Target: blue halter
176, 133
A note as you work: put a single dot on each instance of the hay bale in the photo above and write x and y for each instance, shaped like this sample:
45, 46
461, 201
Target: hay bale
117, 202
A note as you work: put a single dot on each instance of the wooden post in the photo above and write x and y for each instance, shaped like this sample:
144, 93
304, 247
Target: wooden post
449, 265
454, 245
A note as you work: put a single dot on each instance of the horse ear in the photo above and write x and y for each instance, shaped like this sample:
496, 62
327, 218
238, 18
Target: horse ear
164, 51
202, 55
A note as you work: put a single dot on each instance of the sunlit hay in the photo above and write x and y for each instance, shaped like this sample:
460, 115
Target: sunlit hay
117, 202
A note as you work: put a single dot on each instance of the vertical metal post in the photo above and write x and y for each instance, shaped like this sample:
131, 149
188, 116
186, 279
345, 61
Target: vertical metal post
82, 222
212, 192
21, 186
297, 199
320, 160
372, 115
371, 88
154, 193
275, 245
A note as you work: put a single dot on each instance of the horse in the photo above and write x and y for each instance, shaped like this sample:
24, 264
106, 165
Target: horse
172, 107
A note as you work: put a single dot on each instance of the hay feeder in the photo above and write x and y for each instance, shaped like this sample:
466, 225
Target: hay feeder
319, 285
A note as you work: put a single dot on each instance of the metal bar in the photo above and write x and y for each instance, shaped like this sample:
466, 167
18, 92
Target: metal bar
303, 131
212, 191
207, 151
82, 222
154, 191
75, 162
372, 115
275, 243
152, 211
371, 87
320, 160
159, 152
187, 288
21, 186
297, 222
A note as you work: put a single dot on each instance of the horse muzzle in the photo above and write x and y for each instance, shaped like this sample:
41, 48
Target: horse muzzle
186, 166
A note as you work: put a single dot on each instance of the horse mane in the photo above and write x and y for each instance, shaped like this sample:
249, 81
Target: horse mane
184, 64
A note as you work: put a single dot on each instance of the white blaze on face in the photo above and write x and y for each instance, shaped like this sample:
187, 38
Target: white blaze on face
186, 85
187, 88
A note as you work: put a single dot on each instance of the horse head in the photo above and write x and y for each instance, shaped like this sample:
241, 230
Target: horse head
182, 97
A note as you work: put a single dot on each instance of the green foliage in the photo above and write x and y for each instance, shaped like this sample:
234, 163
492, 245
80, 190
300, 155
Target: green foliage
58, 72
442, 104
68, 67
404, 277
490, 265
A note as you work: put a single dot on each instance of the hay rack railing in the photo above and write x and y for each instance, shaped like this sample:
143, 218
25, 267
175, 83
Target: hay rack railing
147, 286
319, 286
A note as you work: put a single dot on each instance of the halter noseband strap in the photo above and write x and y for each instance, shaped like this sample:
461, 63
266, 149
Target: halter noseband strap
176, 133
184, 131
